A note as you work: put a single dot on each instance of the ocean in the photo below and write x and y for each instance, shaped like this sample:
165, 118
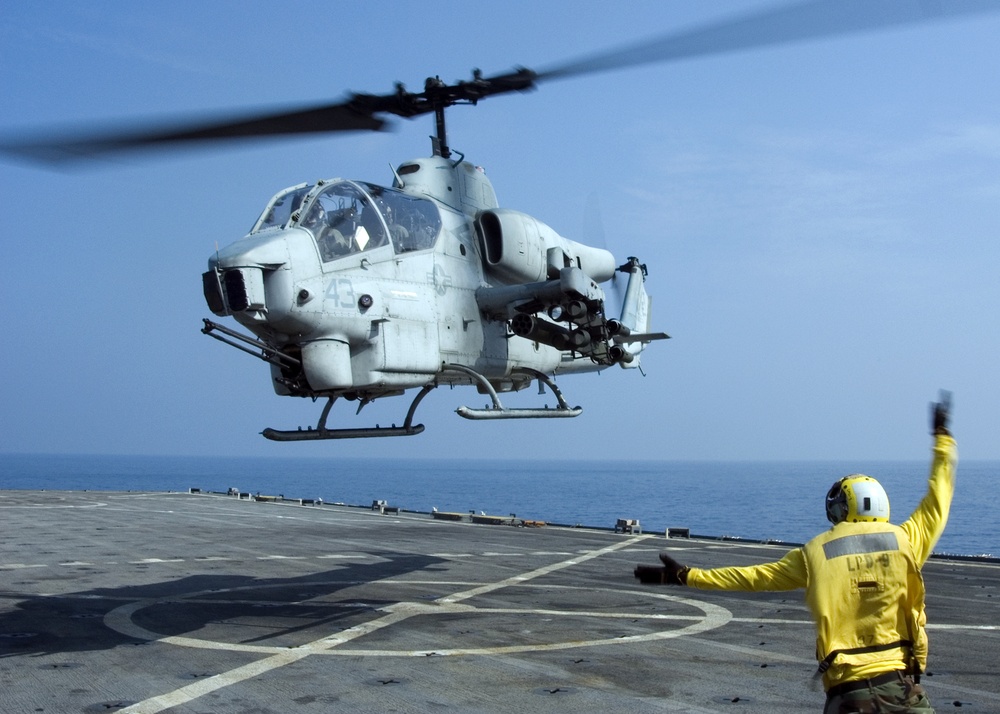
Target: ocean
780, 500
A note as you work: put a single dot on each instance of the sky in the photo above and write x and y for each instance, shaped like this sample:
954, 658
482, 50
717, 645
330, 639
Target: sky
819, 220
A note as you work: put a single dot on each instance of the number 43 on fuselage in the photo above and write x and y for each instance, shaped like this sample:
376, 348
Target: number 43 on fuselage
358, 291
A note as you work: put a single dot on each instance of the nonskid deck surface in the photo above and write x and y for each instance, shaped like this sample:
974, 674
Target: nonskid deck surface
156, 602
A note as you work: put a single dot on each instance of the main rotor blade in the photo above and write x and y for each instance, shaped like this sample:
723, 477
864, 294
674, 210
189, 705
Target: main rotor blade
352, 115
809, 20
774, 26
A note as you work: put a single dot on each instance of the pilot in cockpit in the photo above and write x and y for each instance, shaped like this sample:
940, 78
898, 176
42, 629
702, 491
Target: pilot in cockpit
397, 232
333, 230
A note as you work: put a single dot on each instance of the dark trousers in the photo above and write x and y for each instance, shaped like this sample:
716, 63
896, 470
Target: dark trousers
890, 693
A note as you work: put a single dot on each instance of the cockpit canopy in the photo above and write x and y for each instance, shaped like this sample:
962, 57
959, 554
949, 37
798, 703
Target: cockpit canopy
347, 217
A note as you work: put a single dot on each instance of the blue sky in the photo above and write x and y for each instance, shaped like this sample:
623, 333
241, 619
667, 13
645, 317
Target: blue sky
819, 219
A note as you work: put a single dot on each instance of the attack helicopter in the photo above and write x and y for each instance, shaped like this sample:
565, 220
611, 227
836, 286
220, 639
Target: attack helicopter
356, 291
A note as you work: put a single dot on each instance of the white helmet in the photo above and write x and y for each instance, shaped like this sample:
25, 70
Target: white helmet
857, 498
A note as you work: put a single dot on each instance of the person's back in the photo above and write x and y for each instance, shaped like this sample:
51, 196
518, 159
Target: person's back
864, 590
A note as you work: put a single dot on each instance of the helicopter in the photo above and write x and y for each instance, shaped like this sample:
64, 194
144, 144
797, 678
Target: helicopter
358, 291
355, 291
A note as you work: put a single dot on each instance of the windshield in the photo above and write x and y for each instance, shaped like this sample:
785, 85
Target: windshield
281, 208
347, 218
343, 221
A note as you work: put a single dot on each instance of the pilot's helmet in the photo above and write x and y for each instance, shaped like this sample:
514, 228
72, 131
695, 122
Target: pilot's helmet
857, 498
315, 217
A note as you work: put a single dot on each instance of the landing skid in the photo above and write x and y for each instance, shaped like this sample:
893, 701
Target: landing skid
499, 411
321, 432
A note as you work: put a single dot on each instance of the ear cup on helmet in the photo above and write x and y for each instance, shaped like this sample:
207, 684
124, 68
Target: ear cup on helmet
836, 503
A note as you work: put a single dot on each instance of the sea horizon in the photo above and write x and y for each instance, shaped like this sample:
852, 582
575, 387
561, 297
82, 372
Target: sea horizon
774, 500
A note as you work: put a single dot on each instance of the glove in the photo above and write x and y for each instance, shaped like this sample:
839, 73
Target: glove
672, 572
940, 414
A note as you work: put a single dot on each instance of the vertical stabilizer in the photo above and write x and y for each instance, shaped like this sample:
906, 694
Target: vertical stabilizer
633, 333
635, 307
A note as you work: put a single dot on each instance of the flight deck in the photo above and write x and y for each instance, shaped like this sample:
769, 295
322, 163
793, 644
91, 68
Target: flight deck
195, 602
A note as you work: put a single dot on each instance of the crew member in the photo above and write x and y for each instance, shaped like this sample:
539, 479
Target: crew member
863, 585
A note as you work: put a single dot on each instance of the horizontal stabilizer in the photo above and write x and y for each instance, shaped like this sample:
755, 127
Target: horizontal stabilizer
647, 337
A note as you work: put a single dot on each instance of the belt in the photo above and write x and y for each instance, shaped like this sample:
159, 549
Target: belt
853, 686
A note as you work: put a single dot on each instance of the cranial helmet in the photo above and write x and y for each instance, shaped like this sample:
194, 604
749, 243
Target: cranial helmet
857, 498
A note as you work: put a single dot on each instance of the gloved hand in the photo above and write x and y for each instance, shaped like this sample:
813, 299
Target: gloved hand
940, 414
672, 572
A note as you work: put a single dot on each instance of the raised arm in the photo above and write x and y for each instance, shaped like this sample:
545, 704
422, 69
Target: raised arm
927, 522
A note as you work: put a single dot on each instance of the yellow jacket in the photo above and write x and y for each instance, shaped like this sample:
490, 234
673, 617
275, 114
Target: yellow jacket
862, 580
